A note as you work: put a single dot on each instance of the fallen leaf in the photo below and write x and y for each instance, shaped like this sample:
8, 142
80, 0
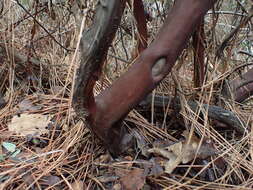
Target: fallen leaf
9, 146
51, 180
142, 144
173, 159
12, 150
184, 152
134, 180
170, 165
29, 124
120, 172
162, 152
27, 105
106, 179
117, 187
155, 168
78, 185
14, 154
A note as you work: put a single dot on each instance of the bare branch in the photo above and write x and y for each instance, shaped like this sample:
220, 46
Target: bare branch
214, 112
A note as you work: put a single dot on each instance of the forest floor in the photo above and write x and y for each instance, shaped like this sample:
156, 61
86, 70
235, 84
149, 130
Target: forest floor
44, 145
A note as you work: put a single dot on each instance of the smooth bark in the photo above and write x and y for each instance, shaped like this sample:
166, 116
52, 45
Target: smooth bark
114, 103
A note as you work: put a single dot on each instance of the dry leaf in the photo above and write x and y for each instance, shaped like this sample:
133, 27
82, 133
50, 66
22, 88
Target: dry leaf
51, 180
142, 144
173, 159
184, 152
162, 152
78, 185
156, 168
117, 187
107, 179
134, 180
172, 164
27, 105
120, 172
29, 124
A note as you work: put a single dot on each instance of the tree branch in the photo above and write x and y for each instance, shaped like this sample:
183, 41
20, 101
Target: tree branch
94, 46
214, 112
114, 103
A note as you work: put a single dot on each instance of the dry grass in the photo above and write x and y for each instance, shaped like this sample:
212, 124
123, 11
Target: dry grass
69, 156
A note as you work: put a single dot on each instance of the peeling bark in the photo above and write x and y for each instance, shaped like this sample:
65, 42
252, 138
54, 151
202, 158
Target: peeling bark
94, 46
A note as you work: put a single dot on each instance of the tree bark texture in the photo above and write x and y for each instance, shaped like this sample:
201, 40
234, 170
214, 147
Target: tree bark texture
94, 46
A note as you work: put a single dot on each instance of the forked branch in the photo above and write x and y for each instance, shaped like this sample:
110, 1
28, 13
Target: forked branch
107, 110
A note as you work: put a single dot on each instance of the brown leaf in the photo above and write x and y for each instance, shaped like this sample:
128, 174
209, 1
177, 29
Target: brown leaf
184, 152
107, 179
29, 124
117, 187
141, 143
134, 180
51, 180
120, 172
156, 168
27, 105
78, 185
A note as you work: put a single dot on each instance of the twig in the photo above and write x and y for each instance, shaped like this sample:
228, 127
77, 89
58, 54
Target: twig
226, 13
35, 20
245, 53
232, 34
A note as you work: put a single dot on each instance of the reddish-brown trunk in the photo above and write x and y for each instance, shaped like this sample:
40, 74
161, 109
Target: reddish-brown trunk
149, 69
199, 54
